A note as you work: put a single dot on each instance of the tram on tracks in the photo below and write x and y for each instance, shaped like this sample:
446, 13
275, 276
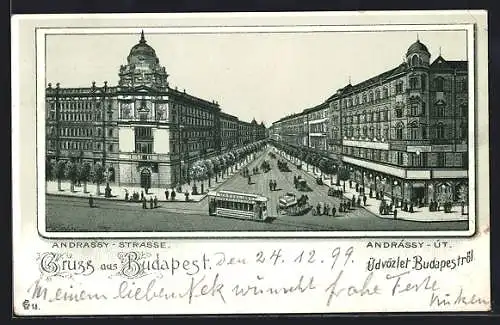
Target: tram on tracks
238, 205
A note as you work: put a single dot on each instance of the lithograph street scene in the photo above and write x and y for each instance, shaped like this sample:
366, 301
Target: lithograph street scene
334, 131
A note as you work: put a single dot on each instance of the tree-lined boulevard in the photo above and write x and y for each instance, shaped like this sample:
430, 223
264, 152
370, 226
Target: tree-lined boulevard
74, 214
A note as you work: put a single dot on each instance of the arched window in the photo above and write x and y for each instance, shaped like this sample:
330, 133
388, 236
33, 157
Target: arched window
370, 96
440, 134
413, 128
414, 60
386, 92
440, 109
399, 131
439, 84
377, 94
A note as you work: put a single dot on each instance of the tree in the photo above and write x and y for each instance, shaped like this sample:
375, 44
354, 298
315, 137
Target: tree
59, 173
84, 172
343, 175
98, 176
323, 166
197, 173
216, 168
209, 167
71, 173
49, 169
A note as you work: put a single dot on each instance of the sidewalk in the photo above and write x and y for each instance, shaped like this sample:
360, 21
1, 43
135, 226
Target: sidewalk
118, 191
372, 204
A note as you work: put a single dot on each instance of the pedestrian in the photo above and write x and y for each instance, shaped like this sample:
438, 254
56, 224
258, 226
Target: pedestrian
142, 195
274, 185
364, 200
172, 195
334, 211
166, 194
270, 185
151, 204
359, 201
411, 208
91, 201
155, 201
144, 205
341, 209
395, 214
126, 196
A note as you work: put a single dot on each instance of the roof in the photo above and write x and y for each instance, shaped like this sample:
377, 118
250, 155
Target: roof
370, 82
417, 47
441, 63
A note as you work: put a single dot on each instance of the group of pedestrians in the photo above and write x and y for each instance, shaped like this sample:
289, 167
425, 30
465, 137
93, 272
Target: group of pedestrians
153, 202
272, 185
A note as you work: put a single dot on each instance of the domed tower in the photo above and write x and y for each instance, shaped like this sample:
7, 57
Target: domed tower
418, 55
143, 68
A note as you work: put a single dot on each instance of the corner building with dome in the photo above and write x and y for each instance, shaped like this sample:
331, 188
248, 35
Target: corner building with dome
143, 132
403, 132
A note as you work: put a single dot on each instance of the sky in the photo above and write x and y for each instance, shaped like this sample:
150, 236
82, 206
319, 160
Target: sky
265, 76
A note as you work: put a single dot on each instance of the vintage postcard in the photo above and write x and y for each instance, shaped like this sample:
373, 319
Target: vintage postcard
235, 163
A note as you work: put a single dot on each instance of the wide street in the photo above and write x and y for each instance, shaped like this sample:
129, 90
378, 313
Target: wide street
74, 214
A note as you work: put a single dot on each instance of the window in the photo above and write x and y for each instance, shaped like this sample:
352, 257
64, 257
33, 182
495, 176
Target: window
439, 110
414, 131
464, 109
414, 60
386, 92
399, 131
370, 96
440, 131
441, 159
398, 111
463, 131
399, 158
424, 132
439, 84
399, 87
414, 83
377, 94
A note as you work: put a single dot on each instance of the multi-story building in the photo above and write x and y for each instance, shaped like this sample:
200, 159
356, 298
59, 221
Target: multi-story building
229, 131
143, 131
404, 131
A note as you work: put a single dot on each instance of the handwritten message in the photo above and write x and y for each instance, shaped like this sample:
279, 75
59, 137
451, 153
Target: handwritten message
144, 273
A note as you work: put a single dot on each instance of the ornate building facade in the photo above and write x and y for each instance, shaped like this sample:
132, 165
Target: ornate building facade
404, 132
144, 132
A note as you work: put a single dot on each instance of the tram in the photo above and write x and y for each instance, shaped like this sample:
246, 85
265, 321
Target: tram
238, 205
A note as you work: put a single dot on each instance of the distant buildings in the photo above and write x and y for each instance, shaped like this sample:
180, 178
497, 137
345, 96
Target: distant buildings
144, 132
403, 131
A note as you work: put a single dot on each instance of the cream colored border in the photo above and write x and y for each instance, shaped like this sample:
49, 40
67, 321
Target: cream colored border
41, 37
27, 241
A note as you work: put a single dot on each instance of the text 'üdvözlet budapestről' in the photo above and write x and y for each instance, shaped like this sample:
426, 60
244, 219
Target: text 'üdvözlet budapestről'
417, 262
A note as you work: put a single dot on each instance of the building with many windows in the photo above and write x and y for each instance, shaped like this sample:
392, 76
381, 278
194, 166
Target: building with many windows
403, 132
144, 132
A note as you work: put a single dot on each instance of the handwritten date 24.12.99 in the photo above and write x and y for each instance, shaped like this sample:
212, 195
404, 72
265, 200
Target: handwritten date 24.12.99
278, 256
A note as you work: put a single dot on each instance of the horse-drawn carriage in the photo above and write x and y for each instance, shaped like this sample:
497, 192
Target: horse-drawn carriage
289, 204
335, 191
